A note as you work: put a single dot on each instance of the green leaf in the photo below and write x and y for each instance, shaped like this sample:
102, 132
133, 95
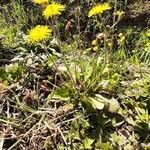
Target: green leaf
130, 121
75, 136
97, 104
88, 73
115, 76
74, 131
87, 143
62, 93
101, 98
85, 123
103, 146
3, 73
51, 59
16, 70
75, 124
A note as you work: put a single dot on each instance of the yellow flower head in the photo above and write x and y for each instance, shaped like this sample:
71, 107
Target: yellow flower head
99, 9
53, 10
39, 33
40, 1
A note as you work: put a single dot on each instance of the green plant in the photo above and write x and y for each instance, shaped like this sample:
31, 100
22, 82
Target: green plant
63, 94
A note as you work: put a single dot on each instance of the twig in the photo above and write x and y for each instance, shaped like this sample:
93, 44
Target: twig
24, 135
62, 135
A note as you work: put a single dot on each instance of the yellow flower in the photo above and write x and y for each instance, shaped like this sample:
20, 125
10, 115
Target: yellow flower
53, 10
39, 33
99, 9
40, 1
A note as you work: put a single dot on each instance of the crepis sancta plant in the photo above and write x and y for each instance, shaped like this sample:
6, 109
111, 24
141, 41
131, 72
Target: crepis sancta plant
91, 94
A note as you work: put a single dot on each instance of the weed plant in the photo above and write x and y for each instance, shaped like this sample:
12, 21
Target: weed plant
62, 94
